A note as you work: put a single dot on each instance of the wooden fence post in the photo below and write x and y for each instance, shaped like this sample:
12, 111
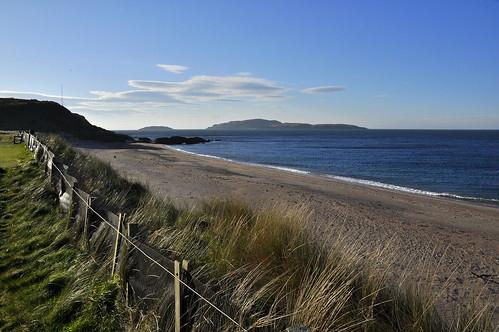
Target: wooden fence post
67, 183
88, 204
178, 296
127, 285
117, 241
131, 232
50, 161
185, 316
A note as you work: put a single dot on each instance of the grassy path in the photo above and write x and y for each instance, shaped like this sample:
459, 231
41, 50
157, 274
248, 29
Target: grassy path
11, 154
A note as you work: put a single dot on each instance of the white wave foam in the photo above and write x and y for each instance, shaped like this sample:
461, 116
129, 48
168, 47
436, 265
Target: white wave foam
407, 189
200, 154
286, 169
349, 179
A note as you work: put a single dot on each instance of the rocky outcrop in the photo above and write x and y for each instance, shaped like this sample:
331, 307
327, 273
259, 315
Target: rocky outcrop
143, 140
177, 140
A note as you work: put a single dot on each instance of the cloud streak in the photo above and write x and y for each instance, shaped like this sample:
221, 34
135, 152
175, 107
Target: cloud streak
213, 88
35, 95
323, 89
149, 95
176, 69
145, 95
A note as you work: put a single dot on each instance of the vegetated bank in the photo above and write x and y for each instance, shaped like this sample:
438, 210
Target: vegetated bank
47, 282
264, 269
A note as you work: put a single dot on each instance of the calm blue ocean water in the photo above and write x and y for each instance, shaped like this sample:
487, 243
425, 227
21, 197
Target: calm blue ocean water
431, 162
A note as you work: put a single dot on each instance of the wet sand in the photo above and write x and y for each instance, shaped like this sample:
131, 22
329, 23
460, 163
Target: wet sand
460, 238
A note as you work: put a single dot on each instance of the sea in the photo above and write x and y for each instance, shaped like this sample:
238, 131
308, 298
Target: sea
461, 164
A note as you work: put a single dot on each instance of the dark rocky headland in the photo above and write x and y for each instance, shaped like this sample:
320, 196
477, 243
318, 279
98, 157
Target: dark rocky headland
178, 140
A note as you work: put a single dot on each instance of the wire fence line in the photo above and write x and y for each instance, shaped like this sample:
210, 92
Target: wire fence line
48, 157
152, 259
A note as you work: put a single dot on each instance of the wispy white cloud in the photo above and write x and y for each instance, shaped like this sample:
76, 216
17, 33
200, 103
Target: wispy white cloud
131, 101
176, 69
133, 96
145, 95
211, 88
119, 106
148, 95
323, 89
36, 95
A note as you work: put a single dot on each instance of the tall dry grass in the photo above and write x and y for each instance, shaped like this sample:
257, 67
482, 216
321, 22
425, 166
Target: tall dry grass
270, 273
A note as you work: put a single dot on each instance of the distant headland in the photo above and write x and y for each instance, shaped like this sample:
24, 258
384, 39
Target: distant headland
255, 124
51, 117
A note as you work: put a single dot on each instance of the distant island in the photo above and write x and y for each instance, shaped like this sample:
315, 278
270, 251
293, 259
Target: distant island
255, 124
155, 128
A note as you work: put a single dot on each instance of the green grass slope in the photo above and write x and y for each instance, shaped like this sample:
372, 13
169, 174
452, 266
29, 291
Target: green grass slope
46, 282
11, 154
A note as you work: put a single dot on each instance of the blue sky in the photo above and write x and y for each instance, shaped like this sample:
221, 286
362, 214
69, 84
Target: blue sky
189, 64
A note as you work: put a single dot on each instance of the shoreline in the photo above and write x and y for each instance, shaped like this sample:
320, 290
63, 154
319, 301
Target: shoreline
459, 238
493, 202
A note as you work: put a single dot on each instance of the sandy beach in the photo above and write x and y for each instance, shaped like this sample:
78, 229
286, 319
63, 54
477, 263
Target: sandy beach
460, 238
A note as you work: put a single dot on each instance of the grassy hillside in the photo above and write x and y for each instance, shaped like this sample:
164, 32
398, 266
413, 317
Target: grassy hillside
50, 117
46, 282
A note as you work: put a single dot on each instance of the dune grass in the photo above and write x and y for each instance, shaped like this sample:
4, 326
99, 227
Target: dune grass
266, 270
270, 273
